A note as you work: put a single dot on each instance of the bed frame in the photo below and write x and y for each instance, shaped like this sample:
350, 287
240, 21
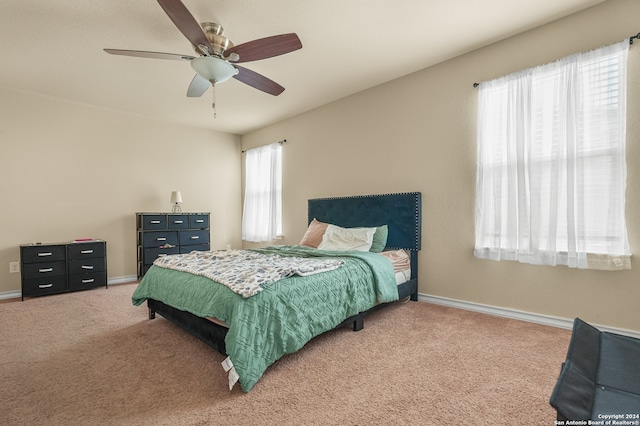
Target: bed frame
402, 213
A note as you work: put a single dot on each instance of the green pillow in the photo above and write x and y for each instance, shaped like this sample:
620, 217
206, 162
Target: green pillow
379, 239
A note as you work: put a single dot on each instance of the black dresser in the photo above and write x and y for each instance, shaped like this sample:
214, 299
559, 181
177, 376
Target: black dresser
62, 267
160, 234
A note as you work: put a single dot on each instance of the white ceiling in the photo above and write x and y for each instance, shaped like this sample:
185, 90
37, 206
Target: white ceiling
54, 47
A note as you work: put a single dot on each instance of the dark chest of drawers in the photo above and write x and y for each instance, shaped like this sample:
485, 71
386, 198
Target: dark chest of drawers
161, 234
62, 267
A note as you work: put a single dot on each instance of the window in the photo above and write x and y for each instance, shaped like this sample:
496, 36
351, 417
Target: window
551, 167
262, 213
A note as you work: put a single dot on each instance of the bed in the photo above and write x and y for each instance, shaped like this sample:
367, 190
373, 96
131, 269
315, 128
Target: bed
255, 331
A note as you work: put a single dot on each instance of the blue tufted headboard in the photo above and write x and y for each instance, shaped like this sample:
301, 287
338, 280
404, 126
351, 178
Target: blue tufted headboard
402, 213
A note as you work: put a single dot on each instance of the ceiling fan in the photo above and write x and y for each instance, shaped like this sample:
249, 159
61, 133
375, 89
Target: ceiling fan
218, 57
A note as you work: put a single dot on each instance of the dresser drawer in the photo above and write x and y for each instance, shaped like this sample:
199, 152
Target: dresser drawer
85, 250
152, 254
196, 236
190, 248
178, 221
84, 281
157, 239
142, 269
84, 266
44, 269
31, 254
152, 222
44, 285
199, 221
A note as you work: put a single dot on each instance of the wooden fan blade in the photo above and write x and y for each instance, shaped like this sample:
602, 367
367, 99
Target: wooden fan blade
258, 81
152, 55
186, 23
198, 86
267, 47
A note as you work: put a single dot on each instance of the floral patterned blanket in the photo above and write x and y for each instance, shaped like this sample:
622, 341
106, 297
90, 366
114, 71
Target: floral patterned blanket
245, 272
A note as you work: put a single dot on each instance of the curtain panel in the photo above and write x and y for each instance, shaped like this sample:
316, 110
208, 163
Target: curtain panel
262, 212
551, 167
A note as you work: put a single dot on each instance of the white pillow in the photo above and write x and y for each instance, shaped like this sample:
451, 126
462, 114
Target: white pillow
339, 238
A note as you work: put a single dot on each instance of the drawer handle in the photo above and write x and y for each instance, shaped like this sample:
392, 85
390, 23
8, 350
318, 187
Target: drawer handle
155, 222
45, 270
45, 253
45, 285
178, 221
86, 251
87, 267
199, 220
161, 239
87, 281
195, 237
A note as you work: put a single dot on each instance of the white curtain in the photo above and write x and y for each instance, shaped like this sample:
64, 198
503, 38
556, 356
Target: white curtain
551, 173
262, 213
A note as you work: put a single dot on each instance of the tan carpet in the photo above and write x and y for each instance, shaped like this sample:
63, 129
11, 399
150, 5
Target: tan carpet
93, 358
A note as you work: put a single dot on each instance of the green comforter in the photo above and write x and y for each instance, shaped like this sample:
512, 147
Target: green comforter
286, 315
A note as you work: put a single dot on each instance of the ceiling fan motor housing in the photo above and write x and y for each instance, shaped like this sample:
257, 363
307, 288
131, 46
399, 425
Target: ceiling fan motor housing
214, 33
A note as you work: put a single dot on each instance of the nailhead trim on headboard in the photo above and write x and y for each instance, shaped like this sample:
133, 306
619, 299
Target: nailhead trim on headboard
401, 212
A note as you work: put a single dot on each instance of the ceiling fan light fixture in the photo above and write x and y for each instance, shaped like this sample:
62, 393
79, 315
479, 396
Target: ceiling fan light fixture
213, 69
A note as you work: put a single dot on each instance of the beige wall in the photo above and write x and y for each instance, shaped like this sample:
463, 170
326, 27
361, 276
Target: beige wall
417, 133
73, 171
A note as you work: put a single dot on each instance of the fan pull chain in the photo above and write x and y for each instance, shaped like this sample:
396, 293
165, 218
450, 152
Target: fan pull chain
213, 105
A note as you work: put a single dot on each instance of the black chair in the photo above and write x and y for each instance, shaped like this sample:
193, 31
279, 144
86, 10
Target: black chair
600, 377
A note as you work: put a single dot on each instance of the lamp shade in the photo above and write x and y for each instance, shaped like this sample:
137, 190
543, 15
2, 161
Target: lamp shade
213, 69
176, 197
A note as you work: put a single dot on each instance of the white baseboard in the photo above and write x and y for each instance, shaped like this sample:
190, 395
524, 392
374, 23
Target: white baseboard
122, 280
519, 315
17, 294
549, 320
